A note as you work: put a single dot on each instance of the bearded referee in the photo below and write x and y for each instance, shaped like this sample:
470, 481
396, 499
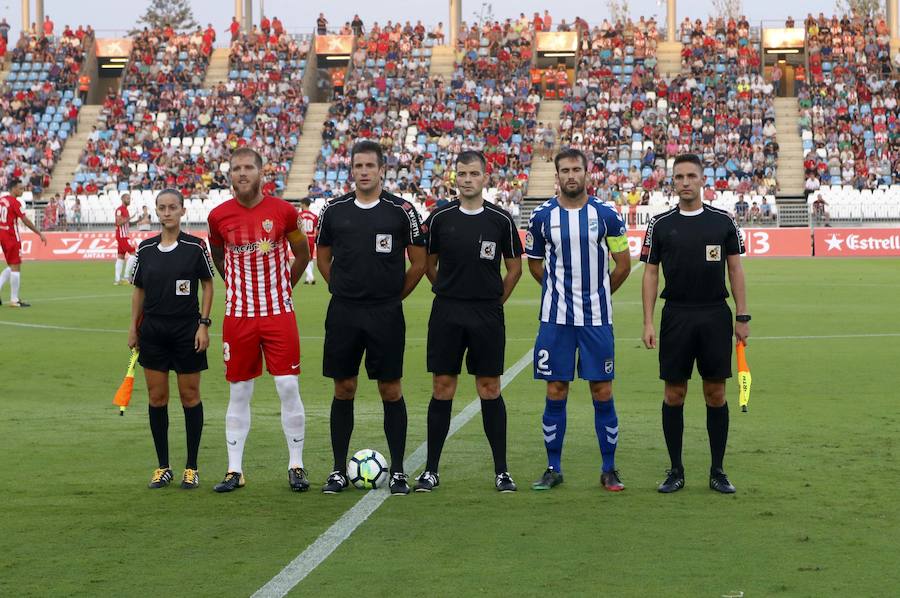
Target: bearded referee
364, 238
467, 240
694, 243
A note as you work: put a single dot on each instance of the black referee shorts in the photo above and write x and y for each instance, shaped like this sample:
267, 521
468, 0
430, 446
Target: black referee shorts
168, 344
689, 333
476, 329
351, 329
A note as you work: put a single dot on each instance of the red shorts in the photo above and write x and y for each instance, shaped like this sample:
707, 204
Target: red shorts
245, 340
11, 249
124, 246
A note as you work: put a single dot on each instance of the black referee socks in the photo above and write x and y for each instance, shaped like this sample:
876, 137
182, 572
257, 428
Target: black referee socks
493, 416
438, 428
341, 430
159, 428
717, 428
395, 431
193, 428
673, 430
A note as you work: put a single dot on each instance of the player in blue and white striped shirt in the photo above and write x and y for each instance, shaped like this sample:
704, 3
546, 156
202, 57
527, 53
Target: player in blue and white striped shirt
568, 243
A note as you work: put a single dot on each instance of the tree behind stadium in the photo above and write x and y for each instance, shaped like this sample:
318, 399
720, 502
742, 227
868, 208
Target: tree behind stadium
175, 13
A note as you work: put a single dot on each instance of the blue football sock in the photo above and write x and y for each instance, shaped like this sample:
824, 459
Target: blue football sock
554, 425
606, 423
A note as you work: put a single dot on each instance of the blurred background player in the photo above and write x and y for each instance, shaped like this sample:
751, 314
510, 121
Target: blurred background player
568, 243
308, 222
364, 237
123, 242
249, 236
694, 242
171, 329
10, 212
468, 238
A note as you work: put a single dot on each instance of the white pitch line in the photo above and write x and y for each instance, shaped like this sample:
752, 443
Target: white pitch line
334, 536
76, 297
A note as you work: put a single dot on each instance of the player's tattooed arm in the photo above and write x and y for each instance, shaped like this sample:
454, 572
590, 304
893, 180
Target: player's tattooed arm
218, 258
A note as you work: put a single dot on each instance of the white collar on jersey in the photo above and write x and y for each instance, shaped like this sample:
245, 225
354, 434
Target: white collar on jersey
167, 248
471, 212
366, 206
696, 212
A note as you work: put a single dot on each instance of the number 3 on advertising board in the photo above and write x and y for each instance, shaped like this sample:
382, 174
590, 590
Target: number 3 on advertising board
757, 242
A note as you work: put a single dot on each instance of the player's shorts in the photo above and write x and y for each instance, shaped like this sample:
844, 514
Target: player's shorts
554, 352
312, 247
246, 340
377, 330
167, 344
688, 333
12, 249
474, 328
124, 246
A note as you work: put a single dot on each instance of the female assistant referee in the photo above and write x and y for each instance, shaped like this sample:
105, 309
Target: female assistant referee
170, 328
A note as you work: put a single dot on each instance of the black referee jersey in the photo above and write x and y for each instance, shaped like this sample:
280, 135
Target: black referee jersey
170, 275
470, 246
692, 248
368, 245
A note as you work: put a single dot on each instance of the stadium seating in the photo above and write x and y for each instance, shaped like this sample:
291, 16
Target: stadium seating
849, 110
36, 104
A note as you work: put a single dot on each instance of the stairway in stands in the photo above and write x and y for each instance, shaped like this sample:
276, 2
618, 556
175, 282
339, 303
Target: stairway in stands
64, 170
218, 68
542, 182
790, 147
442, 59
303, 166
668, 55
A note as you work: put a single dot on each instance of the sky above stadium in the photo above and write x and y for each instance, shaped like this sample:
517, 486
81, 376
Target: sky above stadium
113, 17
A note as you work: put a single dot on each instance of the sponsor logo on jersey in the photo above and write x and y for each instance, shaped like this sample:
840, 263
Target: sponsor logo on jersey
267, 225
265, 246
246, 247
488, 250
713, 253
384, 243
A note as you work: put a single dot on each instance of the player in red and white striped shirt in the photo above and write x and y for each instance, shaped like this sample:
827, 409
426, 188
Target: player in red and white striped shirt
11, 244
123, 242
250, 236
309, 223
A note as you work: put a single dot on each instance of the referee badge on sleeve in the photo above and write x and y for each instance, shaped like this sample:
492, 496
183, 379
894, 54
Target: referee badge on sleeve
713, 253
182, 287
488, 250
384, 243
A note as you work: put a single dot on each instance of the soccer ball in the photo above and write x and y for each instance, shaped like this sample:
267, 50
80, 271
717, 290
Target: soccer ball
367, 469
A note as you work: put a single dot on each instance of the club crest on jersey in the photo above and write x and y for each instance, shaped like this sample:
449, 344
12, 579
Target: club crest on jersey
182, 287
593, 225
713, 253
384, 243
267, 225
488, 250
529, 241
608, 366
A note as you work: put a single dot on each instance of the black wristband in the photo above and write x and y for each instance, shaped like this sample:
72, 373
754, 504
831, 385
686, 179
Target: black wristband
742, 318
205, 321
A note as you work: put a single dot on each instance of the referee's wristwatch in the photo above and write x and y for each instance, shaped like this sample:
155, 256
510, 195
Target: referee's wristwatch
205, 321
742, 318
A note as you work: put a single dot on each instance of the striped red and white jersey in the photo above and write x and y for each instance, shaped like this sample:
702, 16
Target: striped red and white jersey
10, 211
257, 255
122, 229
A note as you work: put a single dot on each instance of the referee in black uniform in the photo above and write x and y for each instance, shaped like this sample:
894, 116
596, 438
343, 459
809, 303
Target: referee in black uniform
694, 242
170, 328
468, 238
363, 240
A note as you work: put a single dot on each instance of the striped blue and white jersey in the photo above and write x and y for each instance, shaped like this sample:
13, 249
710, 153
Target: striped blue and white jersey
575, 246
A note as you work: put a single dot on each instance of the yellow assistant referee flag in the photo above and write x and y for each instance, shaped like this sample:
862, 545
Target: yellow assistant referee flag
744, 378
123, 395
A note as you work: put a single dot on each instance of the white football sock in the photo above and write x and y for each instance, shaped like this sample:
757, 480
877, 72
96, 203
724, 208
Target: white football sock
310, 276
4, 276
120, 265
14, 280
293, 417
129, 267
237, 422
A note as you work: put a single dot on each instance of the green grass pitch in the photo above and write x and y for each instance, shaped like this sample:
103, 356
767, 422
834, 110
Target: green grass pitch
815, 461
